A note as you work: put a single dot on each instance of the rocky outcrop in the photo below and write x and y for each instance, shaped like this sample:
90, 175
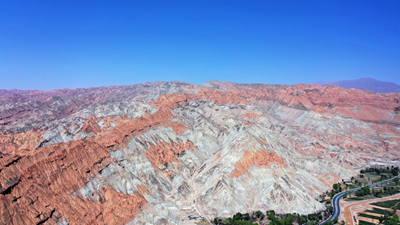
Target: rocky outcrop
159, 152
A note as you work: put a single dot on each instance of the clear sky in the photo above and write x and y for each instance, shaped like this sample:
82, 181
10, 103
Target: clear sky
76, 43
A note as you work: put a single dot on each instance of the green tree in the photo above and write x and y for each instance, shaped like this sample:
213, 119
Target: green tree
271, 217
381, 219
239, 222
237, 216
394, 210
363, 191
394, 220
329, 222
228, 221
217, 221
335, 220
336, 186
289, 220
302, 220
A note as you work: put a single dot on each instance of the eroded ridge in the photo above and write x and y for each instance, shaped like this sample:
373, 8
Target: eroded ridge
160, 152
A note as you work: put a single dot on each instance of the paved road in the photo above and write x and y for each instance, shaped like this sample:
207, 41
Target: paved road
337, 197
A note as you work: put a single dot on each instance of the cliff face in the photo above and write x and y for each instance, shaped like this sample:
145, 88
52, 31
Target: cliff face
159, 152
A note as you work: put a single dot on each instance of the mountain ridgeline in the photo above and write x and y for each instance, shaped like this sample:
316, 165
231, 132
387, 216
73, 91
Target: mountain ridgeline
164, 152
368, 84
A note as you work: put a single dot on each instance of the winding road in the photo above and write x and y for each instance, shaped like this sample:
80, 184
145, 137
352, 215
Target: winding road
338, 196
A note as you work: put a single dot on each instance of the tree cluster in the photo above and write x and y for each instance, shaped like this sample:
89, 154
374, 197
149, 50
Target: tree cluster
378, 170
385, 191
394, 220
363, 191
275, 219
337, 188
237, 219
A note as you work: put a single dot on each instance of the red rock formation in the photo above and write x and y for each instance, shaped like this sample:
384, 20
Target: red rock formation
11, 142
251, 115
35, 186
38, 187
42, 185
259, 158
164, 153
218, 97
322, 99
127, 127
90, 125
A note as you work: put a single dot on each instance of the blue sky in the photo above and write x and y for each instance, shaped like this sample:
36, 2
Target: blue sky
66, 44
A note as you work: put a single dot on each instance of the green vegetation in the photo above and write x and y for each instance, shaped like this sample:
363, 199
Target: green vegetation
394, 171
302, 220
372, 175
368, 216
272, 217
394, 220
362, 222
363, 191
337, 188
240, 219
239, 222
335, 220
289, 220
387, 217
353, 199
378, 211
387, 204
387, 190
381, 219
367, 176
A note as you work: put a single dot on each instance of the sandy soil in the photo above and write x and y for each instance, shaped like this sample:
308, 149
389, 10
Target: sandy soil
369, 220
372, 214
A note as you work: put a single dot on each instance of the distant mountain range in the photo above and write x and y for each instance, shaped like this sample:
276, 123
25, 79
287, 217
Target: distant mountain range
15, 91
369, 84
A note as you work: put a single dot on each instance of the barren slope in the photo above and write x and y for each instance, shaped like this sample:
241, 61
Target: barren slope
158, 152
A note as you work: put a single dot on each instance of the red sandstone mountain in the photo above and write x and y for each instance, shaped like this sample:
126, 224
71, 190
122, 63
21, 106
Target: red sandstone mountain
158, 152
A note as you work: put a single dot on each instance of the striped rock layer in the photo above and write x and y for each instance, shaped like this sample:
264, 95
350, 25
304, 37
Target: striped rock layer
159, 152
